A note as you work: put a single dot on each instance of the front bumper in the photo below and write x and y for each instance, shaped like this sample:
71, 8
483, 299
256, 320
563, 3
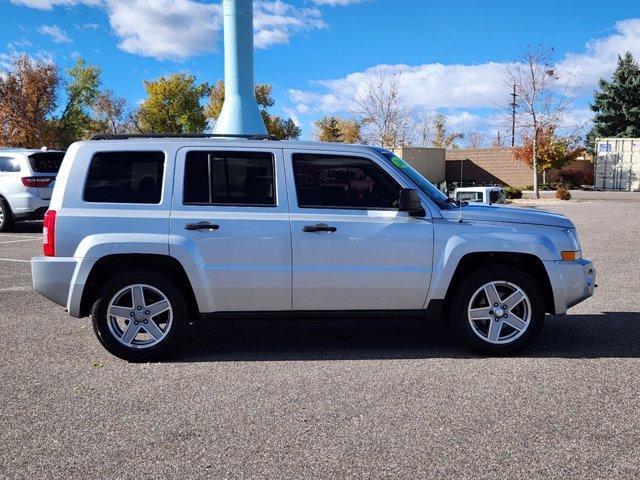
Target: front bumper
52, 277
572, 282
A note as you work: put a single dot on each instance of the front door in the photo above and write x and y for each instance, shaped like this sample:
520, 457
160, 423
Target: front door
230, 209
352, 248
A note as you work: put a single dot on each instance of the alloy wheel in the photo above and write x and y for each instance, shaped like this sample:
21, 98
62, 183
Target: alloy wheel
499, 312
139, 316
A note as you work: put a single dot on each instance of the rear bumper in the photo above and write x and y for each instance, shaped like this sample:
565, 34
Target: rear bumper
37, 214
52, 277
27, 205
572, 282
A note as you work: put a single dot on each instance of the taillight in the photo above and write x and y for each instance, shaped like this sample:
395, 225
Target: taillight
37, 181
49, 234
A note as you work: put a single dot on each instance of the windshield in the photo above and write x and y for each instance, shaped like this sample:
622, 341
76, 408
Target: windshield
425, 185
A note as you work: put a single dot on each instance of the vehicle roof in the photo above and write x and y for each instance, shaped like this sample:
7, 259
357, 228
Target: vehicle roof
27, 151
223, 142
474, 189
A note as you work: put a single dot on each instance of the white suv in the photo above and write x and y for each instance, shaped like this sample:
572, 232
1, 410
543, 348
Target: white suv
148, 234
26, 181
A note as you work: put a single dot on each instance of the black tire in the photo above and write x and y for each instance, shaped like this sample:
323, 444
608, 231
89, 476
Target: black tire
8, 221
173, 336
464, 294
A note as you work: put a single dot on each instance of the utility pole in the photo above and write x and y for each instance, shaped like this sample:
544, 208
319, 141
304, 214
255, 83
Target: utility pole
513, 117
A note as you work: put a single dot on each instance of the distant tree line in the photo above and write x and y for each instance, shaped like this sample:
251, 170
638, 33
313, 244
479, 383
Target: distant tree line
32, 114
41, 105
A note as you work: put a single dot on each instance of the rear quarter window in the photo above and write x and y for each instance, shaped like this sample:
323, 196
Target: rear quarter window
9, 165
125, 177
46, 162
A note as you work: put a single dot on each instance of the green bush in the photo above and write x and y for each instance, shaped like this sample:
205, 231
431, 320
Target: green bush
563, 194
512, 192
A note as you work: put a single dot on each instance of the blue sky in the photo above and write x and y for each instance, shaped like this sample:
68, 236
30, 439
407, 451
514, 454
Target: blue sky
316, 53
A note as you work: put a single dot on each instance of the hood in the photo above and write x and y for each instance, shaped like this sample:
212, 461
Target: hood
491, 213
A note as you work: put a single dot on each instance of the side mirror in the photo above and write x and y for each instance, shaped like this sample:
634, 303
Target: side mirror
410, 202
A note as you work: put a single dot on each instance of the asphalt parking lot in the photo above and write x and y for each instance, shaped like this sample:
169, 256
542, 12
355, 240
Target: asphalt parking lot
330, 399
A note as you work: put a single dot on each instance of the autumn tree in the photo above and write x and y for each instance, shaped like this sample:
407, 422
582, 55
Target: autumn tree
334, 129
27, 102
111, 113
542, 101
350, 131
552, 151
617, 103
173, 105
383, 111
279, 127
442, 138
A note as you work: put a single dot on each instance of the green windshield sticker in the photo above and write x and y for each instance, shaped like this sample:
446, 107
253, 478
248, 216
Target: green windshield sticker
398, 162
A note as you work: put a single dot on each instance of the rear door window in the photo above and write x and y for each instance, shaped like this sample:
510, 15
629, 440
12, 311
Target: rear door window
125, 177
229, 178
46, 162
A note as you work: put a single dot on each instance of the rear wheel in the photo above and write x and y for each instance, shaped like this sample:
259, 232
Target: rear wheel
140, 316
498, 310
6, 216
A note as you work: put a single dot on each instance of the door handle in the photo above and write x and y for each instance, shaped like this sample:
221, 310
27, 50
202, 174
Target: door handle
320, 227
202, 226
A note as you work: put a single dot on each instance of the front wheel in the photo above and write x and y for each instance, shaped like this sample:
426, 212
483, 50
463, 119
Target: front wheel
498, 310
139, 316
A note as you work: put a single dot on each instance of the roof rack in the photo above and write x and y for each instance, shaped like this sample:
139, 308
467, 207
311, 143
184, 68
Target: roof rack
127, 136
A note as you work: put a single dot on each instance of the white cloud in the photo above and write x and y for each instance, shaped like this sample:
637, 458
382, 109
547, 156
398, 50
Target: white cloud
426, 87
165, 29
276, 22
457, 88
88, 26
583, 70
179, 29
57, 34
333, 3
49, 4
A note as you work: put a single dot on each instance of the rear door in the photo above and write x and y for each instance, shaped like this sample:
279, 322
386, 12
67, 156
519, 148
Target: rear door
352, 248
230, 207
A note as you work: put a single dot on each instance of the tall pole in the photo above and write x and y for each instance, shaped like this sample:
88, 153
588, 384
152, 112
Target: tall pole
513, 117
240, 113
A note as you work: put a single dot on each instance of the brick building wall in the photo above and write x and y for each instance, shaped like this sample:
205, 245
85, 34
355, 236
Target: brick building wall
487, 165
495, 165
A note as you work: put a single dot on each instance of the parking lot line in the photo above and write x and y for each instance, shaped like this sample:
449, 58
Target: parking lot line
19, 241
14, 260
19, 236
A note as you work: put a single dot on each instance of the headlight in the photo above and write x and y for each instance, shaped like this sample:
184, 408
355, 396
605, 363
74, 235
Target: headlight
573, 235
576, 252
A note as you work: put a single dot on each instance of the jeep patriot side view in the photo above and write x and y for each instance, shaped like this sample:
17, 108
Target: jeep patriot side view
147, 234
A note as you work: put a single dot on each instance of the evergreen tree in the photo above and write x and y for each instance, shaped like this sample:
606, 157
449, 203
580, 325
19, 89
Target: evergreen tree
329, 129
337, 130
617, 104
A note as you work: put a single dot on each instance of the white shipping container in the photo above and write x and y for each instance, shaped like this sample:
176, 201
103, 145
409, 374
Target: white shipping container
618, 164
